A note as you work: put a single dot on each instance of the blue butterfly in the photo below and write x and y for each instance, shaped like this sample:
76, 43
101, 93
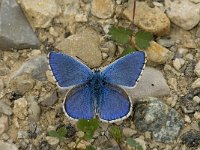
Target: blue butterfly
94, 92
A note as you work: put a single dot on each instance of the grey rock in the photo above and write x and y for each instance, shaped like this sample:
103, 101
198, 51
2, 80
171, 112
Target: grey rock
5, 109
83, 45
15, 31
36, 66
22, 135
191, 138
155, 116
166, 42
22, 84
8, 146
49, 99
34, 109
151, 84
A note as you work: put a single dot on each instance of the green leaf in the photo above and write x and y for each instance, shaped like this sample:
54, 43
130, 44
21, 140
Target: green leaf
129, 49
62, 131
120, 35
59, 133
116, 132
53, 133
82, 125
143, 39
90, 148
88, 127
132, 143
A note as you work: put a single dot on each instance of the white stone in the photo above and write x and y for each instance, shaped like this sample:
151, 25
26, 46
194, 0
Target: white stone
187, 119
196, 83
178, 63
197, 69
103, 8
182, 51
52, 140
197, 115
104, 55
40, 13
196, 99
183, 13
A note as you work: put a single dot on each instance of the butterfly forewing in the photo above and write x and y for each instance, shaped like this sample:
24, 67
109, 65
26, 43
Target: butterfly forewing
126, 70
68, 71
78, 103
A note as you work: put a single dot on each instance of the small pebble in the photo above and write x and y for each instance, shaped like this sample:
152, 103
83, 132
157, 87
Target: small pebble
196, 99
128, 132
197, 115
20, 108
52, 140
178, 63
196, 83
187, 119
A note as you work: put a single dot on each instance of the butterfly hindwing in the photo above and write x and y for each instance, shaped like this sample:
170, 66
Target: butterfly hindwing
78, 103
114, 105
126, 70
68, 71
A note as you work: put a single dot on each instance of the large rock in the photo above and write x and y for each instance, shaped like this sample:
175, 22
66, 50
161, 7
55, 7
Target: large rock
151, 84
183, 13
84, 46
36, 66
103, 8
15, 31
154, 21
155, 116
40, 13
7, 146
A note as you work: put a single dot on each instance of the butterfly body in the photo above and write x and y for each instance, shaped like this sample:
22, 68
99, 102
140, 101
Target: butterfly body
97, 92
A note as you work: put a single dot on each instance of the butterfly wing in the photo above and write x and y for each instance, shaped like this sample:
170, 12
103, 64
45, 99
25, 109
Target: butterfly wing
115, 105
78, 103
68, 71
126, 70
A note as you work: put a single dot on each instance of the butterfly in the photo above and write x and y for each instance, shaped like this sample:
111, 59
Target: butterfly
97, 92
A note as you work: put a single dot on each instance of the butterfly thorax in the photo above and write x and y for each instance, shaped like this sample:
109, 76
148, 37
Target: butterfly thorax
96, 83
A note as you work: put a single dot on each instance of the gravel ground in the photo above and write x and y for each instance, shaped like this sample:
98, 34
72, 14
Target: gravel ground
167, 113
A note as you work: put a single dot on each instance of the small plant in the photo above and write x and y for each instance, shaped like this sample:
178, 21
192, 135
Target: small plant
90, 148
116, 133
143, 39
132, 143
59, 133
88, 127
122, 36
